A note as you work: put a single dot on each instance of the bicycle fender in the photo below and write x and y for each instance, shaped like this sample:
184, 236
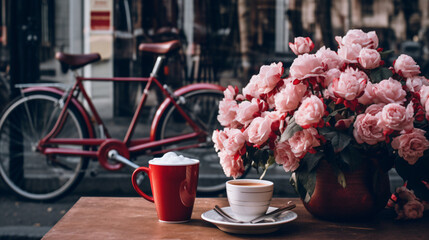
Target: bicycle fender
179, 92
76, 103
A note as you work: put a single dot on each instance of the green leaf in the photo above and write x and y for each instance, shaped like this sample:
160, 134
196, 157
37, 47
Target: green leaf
379, 74
271, 160
291, 129
311, 160
338, 139
304, 183
351, 157
342, 179
386, 73
334, 113
386, 54
343, 142
308, 181
261, 156
294, 182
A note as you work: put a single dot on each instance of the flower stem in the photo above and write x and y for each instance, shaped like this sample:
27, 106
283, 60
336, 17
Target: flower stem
320, 90
263, 174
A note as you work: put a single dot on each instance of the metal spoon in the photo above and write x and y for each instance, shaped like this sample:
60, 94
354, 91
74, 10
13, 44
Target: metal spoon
226, 215
266, 217
288, 206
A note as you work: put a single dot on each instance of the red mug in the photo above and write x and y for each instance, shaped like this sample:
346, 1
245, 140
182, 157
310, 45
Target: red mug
174, 188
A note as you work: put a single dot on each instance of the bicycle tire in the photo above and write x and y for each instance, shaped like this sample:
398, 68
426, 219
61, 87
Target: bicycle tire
28, 173
203, 105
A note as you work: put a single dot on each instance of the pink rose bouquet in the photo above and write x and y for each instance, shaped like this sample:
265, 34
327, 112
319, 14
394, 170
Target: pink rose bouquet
341, 106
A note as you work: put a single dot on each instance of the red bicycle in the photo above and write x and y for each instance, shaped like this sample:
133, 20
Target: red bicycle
48, 136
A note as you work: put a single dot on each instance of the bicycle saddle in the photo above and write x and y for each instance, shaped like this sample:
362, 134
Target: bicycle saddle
160, 48
75, 61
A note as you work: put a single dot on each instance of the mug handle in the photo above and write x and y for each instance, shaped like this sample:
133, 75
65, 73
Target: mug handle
136, 187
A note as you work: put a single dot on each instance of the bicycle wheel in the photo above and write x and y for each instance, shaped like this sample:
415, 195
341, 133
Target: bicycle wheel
202, 106
26, 171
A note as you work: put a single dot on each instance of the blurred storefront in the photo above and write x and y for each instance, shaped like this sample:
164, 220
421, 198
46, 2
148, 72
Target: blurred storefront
223, 41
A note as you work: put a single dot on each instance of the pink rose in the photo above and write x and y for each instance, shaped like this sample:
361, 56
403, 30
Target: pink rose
269, 76
232, 167
303, 141
218, 138
230, 92
344, 123
374, 109
389, 91
284, 156
227, 112
424, 94
357, 36
369, 58
310, 112
350, 85
258, 131
234, 142
331, 74
406, 66
277, 119
301, 45
306, 65
252, 89
350, 53
240, 97
273, 115
367, 130
411, 146
353, 36
397, 117
414, 84
246, 111
271, 101
427, 110
373, 40
368, 96
330, 58
289, 97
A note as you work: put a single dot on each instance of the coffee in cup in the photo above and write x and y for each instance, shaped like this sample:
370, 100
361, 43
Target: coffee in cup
249, 198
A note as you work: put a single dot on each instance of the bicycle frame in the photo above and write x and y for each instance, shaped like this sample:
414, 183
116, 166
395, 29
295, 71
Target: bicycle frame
134, 146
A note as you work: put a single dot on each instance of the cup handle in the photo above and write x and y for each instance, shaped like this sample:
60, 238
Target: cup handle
136, 187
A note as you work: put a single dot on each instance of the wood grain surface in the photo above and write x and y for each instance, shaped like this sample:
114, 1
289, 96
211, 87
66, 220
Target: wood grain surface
135, 218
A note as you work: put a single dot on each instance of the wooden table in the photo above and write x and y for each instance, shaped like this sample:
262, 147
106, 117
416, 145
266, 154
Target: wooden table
135, 218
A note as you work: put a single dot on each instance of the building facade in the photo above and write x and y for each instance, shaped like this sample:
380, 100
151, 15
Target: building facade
223, 41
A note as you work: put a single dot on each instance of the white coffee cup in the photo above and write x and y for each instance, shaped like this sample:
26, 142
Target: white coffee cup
249, 198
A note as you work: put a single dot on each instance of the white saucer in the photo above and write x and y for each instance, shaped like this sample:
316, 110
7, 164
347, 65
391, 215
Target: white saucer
248, 228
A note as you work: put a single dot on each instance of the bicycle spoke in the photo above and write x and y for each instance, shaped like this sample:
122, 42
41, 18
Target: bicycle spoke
64, 165
53, 117
29, 118
26, 171
202, 107
213, 115
14, 127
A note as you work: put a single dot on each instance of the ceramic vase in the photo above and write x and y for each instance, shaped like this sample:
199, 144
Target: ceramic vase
363, 197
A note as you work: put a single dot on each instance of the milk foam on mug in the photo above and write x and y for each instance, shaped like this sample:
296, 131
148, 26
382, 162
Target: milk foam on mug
172, 159
173, 181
